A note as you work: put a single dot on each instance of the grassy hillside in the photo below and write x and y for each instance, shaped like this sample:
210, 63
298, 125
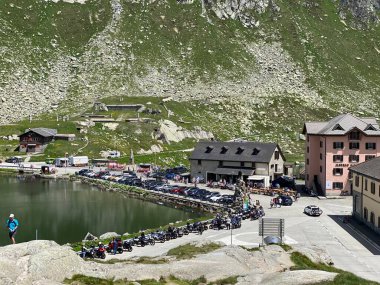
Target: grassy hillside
225, 78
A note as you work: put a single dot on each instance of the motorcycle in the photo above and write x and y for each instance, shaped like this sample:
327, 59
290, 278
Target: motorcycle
100, 252
159, 236
119, 249
127, 245
87, 253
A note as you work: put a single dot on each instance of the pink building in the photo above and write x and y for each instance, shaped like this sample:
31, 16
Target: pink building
333, 146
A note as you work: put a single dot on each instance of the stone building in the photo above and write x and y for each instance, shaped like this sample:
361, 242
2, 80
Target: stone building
332, 147
261, 162
366, 192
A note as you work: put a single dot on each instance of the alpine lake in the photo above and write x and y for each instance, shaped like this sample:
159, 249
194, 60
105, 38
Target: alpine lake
64, 211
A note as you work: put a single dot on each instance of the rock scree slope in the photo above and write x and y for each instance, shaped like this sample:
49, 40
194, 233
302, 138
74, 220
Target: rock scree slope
314, 53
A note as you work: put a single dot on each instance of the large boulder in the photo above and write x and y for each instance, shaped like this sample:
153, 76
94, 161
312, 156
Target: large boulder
26, 263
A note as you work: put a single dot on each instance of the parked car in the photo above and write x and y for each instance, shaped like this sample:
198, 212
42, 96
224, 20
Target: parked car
286, 201
14, 159
313, 210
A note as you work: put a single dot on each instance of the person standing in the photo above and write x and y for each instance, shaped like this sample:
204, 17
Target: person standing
12, 225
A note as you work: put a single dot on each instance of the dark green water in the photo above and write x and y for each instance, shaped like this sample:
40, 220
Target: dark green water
65, 211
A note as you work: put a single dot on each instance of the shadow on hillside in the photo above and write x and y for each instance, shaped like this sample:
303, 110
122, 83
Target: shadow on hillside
364, 235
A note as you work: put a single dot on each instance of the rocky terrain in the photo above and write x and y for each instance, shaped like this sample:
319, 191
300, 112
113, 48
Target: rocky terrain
241, 53
45, 262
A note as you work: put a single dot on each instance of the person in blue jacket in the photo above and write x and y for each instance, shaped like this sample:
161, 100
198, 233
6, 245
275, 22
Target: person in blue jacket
12, 225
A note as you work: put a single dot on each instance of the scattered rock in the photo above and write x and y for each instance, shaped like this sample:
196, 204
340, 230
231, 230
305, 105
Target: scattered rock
109, 235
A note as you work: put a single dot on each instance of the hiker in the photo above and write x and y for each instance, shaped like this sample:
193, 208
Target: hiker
12, 225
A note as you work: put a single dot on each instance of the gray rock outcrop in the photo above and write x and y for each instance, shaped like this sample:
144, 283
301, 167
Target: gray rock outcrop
109, 235
46, 262
33, 261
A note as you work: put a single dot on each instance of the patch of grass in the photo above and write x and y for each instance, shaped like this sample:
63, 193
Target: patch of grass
150, 260
79, 279
251, 249
347, 278
225, 281
302, 262
285, 247
188, 251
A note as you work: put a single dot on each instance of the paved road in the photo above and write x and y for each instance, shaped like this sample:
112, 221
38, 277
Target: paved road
349, 250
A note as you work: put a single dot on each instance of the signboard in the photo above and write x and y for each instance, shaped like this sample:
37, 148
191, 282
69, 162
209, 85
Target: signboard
271, 227
328, 185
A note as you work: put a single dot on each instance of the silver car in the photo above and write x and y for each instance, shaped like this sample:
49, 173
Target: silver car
313, 210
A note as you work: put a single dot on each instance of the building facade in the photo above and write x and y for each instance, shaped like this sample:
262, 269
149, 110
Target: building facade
334, 146
215, 161
35, 140
366, 192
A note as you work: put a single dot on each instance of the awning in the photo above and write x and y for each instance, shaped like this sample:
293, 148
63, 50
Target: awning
257, 177
31, 144
232, 171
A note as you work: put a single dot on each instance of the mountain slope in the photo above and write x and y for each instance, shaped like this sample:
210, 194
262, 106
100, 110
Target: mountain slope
268, 64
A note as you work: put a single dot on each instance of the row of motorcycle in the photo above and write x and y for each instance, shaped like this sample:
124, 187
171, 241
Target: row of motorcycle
118, 245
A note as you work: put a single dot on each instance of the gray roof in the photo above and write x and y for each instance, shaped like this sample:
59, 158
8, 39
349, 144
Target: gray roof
343, 124
45, 132
369, 168
265, 151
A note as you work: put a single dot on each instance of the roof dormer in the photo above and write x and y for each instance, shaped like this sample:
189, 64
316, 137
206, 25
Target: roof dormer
370, 127
224, 149
240, 150
209, 148
337, 127
255, 151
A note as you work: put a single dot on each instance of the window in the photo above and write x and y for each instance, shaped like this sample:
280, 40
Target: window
320, 156
276, 154
378, 222
373, 190
338, 185
199, 162
368, 157
372, 218
338, 145
354, 145
365, 214
220, 164
370, 145
357, 181
307, 161
366, 184
321, 144
239, 150
355, 135
242, 164
224, 150
338, 158
353, 158
320, 169
338, 171
307, 149
255, 151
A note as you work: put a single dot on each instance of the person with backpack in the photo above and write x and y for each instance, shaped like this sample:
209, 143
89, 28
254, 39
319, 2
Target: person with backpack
12, 225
